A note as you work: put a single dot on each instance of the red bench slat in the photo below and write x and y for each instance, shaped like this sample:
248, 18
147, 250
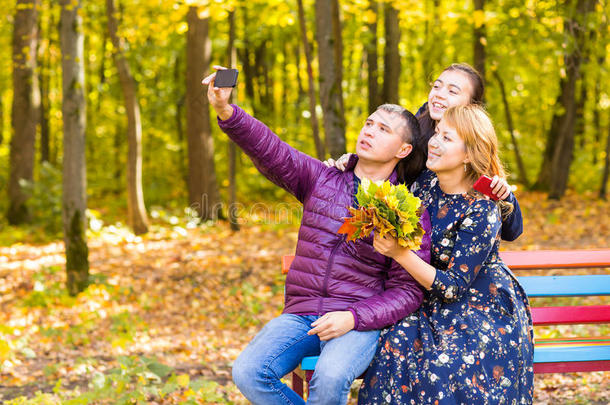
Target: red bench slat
571, 315
571, 367
538, 259
556, 259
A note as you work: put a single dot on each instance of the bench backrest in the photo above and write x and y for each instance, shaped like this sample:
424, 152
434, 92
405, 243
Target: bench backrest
564, 354
555, 286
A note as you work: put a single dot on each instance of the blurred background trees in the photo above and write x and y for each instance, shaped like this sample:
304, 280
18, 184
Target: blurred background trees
304, 64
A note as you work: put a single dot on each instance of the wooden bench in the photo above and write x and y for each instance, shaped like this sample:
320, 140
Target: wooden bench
558, 355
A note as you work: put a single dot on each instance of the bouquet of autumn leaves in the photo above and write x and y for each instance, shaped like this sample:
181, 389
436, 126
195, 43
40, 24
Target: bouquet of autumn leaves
387, 209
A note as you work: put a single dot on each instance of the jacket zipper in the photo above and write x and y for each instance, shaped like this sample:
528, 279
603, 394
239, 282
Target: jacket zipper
327, 275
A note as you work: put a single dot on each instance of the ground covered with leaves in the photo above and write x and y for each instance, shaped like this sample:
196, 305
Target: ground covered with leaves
167, 314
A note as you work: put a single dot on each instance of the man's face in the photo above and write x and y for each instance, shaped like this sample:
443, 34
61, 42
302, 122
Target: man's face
380, 139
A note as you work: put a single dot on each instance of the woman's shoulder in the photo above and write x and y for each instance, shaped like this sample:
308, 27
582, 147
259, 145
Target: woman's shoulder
427, 178
482, 210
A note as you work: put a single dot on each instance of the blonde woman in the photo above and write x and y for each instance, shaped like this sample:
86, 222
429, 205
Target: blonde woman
471, 340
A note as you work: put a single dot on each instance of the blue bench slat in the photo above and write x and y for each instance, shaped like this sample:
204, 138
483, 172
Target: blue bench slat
546, 354
551, 354
309, 363
545, 286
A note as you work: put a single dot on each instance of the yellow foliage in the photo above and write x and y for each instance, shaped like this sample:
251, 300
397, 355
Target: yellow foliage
478, 18
183, 380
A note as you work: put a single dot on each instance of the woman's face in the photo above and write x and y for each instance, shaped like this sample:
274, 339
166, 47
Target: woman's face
446, 150
452, 88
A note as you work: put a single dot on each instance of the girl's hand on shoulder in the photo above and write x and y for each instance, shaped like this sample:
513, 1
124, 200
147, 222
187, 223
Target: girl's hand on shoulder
500, 187
339, 163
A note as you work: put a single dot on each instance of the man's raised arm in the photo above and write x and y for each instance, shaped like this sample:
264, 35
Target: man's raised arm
275, 159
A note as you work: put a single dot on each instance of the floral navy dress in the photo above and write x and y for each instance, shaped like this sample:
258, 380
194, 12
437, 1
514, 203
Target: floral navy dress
471, 341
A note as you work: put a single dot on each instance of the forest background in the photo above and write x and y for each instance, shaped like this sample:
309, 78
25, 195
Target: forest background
106, 141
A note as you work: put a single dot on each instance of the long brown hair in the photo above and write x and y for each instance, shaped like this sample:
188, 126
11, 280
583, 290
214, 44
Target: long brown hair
474, 126
409, 168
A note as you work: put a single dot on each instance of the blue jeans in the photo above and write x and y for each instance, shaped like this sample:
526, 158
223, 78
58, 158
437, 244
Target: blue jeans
279, 348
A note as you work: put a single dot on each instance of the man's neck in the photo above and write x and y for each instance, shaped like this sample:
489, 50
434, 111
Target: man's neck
374, 171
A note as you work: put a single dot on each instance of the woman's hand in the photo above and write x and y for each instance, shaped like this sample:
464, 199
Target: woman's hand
219, 96
500, 187
387, 245
339, 163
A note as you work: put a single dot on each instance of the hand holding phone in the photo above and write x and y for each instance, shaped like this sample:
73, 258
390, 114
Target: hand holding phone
219, 93
483, 185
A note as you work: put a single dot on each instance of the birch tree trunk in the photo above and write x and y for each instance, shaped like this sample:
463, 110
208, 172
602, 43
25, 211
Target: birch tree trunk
74, 166
136, 210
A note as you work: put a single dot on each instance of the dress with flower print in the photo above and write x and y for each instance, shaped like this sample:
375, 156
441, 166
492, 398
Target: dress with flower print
471, 341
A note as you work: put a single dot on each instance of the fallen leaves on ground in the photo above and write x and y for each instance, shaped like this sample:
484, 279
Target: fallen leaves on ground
177, 306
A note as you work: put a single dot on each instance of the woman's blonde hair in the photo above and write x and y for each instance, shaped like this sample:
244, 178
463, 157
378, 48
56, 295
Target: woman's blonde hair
474, 126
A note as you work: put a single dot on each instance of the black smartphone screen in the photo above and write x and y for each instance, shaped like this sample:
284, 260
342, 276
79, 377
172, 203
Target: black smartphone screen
226, 78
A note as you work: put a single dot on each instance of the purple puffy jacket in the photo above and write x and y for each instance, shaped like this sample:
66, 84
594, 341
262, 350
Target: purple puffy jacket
329, 273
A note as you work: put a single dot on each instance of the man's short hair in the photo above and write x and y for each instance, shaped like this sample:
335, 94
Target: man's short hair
410, 125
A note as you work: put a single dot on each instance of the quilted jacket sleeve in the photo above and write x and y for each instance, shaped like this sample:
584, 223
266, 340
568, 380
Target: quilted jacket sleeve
402, 294
275, 159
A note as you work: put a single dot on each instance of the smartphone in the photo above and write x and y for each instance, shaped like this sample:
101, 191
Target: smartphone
482, 185
226, 78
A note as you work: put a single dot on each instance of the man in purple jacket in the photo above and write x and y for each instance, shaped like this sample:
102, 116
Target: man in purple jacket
339, 294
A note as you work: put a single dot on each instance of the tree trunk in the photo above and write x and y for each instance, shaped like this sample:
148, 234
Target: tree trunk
603, 190
180, 125
285, 79
371, 60
558, 154
232, 60
433, 45
44, 84
203, 191
311, 91
329, 48
137, 216
391, 57
297, 56
580, 126
479, 38
102, 71
509, 123
248, 69
597, 126
262, 77
118, 167
25, 111
1, 119
74, 166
